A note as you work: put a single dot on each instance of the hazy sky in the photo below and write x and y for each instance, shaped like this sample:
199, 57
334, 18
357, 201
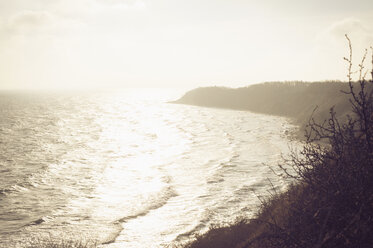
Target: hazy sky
174, 43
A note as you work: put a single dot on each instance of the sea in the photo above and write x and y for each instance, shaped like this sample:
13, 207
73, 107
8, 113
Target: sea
129, 169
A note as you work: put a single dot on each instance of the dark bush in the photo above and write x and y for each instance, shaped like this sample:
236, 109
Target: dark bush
331, 204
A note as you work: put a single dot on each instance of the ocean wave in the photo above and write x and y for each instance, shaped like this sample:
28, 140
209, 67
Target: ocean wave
36, 222
159, 201
200, 227
21, 187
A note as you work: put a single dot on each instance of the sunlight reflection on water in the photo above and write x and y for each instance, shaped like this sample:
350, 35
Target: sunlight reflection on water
130, 168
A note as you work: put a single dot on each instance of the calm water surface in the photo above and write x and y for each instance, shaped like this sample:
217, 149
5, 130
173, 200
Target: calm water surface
128, 169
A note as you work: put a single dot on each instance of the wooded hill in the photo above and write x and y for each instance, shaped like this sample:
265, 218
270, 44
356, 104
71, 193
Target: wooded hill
291, 99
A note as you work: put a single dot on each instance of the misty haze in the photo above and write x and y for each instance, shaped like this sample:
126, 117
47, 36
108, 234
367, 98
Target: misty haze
188, 124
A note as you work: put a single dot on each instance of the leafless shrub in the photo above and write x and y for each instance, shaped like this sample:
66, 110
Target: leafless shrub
331, 204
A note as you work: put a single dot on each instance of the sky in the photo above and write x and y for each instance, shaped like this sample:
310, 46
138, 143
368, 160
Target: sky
102, 44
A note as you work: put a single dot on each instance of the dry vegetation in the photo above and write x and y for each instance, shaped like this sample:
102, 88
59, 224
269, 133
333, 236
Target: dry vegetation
331, 202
